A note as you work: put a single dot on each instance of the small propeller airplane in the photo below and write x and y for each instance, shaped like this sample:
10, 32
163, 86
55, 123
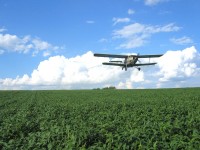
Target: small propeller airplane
129, 60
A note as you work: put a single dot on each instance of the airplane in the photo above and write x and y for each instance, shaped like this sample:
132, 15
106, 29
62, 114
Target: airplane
129, 60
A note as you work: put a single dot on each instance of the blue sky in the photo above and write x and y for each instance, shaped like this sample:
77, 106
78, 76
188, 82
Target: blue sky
32, 32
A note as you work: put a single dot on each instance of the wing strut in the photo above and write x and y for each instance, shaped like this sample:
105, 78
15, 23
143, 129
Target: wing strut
125, 64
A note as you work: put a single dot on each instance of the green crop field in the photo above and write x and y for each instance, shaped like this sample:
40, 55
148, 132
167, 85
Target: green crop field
100, 119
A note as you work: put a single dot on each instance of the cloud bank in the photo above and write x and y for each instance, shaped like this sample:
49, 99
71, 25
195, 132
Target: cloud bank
179, 68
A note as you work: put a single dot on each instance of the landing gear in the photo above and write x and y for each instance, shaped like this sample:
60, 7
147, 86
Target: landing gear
139, 69
125, 68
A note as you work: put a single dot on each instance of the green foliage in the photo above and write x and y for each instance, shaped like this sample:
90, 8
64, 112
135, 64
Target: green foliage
100, 119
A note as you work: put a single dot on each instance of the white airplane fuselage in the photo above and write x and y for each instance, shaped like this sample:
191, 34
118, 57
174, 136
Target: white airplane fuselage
130, 60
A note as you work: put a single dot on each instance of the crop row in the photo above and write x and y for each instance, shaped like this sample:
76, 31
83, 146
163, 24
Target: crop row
100, 119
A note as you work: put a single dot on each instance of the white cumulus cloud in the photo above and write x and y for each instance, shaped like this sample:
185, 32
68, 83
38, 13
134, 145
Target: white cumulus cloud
25, 44
179, 65
137, 76
174, 69
136, 34
85, 71
13, 43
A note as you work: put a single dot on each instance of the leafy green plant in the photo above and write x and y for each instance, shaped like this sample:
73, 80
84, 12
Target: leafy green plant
100, 119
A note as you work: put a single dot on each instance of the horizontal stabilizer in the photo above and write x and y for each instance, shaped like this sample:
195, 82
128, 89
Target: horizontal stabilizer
110, 55
114, 64
146, 64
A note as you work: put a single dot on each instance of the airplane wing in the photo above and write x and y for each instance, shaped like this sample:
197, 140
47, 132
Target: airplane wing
146, 64
149, 56
110, 55
114, 64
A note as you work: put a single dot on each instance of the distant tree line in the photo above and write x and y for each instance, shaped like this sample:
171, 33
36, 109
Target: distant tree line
106, 88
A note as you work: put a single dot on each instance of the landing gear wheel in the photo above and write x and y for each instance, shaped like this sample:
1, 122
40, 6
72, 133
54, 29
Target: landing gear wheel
139, 69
